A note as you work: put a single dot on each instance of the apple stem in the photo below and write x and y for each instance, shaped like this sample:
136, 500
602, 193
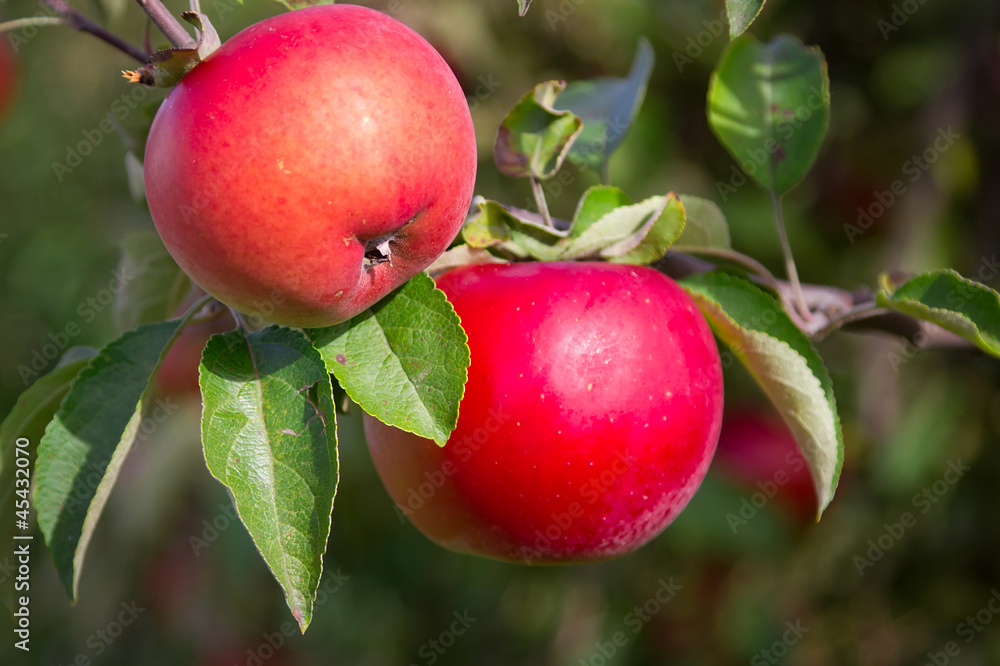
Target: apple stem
187, 318
543, 205
168, 25
78, 21
798, 299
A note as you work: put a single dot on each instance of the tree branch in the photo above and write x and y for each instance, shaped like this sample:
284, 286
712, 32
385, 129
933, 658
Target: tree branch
832, 308
78, 21
168, 25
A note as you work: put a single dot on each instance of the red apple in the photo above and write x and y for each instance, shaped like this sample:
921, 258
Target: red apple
757, 451
589, 419
8, 76
312, 164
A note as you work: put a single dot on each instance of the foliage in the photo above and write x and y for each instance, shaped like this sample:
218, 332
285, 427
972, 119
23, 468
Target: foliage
948, 400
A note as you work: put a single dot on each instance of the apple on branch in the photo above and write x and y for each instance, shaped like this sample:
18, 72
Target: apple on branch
312, 164
590, 416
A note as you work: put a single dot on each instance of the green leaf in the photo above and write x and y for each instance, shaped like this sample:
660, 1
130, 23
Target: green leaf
605, 226
607, 105
650, 243
487, 227
955, 303
782, 360
404, 361
269, 432
741, 14
31, 413
522, 7
769, 105
534, 138
595, 203
153, 283
635, 234
83, 448
519, 232
705, 225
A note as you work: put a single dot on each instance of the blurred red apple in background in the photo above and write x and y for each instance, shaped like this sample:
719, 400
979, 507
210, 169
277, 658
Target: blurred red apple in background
178, 375
8, 76
758, 452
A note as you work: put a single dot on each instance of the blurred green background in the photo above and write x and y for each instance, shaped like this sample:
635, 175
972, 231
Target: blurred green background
168, 548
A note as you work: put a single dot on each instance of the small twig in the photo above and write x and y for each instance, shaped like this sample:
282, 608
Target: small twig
31, 22
168, 25
859, 312
147, 35
240, 322
78, 21
786, 249
543, 206
835, 308
197, 306
189, 315
749, 263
